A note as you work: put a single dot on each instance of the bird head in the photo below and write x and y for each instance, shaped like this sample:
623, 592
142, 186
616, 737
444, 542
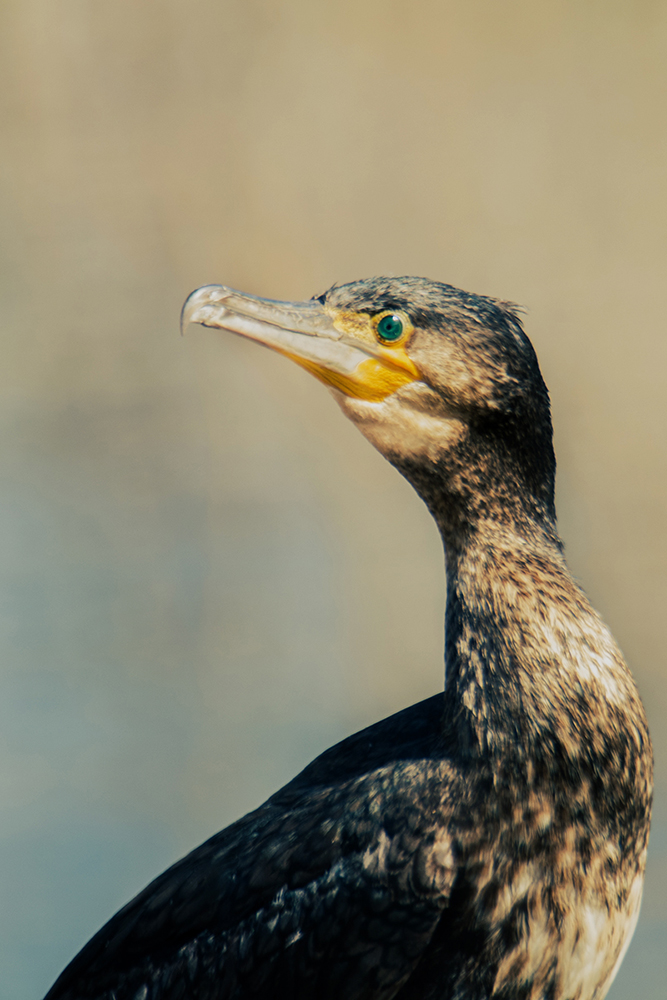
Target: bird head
444, 384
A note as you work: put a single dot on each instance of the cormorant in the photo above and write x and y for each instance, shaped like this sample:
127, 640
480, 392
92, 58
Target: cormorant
488, 842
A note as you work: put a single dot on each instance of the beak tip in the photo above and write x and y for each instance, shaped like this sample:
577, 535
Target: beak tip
188, 311
195, 306
188, 314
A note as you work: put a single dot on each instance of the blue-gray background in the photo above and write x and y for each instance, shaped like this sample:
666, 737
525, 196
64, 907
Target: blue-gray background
207, 576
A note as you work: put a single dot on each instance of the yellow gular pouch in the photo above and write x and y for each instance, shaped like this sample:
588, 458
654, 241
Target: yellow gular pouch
372, 380
379, 375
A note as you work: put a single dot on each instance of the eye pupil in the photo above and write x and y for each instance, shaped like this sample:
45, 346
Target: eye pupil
390, 327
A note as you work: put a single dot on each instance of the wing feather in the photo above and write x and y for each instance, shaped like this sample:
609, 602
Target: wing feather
332, 888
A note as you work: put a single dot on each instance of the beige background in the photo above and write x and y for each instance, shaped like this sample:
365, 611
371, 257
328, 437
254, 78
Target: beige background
207, 575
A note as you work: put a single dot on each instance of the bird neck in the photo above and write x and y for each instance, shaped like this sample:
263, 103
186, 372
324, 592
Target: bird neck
532, 674
523, 646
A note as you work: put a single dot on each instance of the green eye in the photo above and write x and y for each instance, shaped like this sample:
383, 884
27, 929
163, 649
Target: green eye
390, 327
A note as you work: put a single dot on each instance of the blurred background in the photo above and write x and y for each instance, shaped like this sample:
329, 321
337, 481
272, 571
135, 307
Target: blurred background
207, 575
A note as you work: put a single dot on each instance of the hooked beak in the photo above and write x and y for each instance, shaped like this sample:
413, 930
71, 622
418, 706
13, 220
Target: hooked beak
309, 333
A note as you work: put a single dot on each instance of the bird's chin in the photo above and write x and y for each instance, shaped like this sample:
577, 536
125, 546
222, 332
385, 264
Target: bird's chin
400, 429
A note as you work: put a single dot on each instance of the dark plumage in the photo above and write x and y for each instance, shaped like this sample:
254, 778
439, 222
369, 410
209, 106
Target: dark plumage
486, 843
